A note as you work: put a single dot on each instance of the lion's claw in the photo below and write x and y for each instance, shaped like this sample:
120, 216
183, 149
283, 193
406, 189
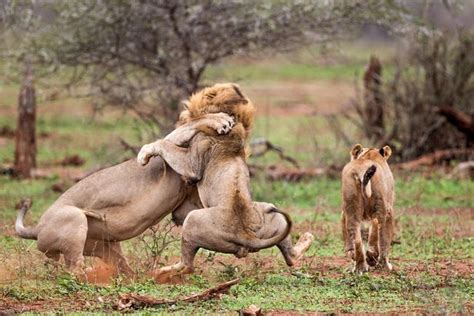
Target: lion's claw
226, 125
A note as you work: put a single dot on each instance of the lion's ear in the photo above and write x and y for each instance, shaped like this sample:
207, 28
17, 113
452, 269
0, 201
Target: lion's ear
386, 152
237, 90
186, 104
356, 151
184, 117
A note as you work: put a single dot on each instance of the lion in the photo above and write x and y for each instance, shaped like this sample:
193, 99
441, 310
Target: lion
115, 204
229, 222
368, 195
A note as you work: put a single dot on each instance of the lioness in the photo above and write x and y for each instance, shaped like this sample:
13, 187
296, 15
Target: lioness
368, 195
229, 222
115, 204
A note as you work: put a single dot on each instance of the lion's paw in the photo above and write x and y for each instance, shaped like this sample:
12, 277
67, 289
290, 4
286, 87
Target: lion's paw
145, 154
303, 245
222, 123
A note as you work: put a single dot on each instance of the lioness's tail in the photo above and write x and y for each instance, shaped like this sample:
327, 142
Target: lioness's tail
269, 242
21, 230
366, 185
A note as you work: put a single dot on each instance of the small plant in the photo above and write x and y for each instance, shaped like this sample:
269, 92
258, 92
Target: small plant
155, 240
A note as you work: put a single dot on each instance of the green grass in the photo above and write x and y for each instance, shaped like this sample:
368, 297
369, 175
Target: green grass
433, 257
340, 62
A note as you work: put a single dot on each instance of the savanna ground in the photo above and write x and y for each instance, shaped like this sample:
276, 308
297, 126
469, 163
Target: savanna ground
433, 256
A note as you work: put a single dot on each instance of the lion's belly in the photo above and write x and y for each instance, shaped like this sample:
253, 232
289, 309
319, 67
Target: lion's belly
142, 211
131, 220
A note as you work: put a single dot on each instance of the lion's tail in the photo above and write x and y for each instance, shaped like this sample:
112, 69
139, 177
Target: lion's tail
269, 242
364, 178
21, 230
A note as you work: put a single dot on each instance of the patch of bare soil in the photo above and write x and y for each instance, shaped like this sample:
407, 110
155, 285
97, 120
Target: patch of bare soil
11, 306
100, 273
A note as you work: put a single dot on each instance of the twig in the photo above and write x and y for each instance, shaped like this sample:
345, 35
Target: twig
127, 146
135, 301
267, 146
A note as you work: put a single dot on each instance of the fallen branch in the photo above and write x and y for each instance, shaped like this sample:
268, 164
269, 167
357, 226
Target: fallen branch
277, 173
127, 301
462, 121
261, 146
435, 158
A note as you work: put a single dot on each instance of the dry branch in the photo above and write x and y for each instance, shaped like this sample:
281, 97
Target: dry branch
127, 301
127, 146
278, 173
462, 121
437, 157
261, 146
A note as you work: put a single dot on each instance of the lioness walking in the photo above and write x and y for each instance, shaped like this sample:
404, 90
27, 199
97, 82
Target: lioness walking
368, 195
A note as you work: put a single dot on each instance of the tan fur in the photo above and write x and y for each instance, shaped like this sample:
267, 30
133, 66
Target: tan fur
115, 204
229, 221
371, 201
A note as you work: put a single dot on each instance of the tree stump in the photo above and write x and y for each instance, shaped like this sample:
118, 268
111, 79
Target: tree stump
25, 144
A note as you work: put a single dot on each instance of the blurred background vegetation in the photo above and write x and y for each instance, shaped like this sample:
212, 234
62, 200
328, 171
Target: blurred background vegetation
108, 76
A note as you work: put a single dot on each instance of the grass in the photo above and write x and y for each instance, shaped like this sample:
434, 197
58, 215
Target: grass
433, 259
340, 62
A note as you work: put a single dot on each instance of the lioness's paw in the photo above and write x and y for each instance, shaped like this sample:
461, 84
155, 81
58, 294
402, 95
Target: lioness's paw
385, 265
361, 268
145, 154
372, 258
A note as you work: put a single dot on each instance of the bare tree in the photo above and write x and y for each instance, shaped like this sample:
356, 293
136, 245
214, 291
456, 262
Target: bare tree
17, 18
147, 55
428, 103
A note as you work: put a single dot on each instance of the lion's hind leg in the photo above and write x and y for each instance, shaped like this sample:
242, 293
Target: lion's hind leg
65, 233
201, 229
276, 224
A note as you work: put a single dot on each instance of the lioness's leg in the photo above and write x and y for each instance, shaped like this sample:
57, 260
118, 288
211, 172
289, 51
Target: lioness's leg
385, 237
348, 243
373, 249
110, 253
355, 237
222, 123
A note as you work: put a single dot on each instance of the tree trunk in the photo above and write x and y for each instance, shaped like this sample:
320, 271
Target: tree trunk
374, 101
25, 146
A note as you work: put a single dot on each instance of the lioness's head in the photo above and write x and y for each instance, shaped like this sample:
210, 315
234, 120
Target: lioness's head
358, 152
221, 97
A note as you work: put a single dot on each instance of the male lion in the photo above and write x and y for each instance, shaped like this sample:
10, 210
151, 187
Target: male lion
115, 204
368, 195
229, 222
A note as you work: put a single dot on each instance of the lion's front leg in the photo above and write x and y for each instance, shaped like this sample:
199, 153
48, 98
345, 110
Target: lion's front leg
222, 123
178, 158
